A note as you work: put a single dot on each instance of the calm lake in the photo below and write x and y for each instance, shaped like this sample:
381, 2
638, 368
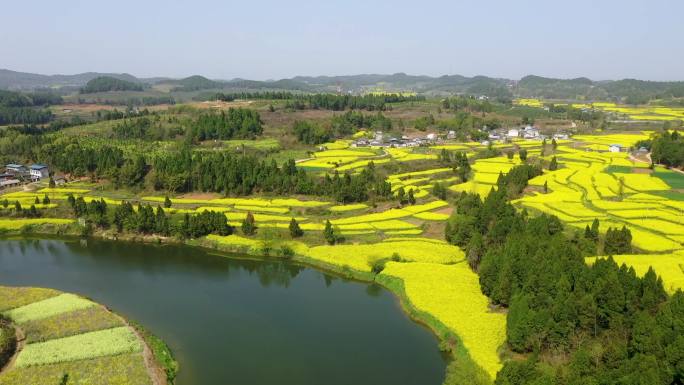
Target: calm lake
237, 321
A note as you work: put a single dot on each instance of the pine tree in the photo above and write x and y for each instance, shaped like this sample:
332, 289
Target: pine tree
17, 207
52, 183
401, 195
161, 222
46, 199
522, 153
36, 201
248, 225
554, 144
411, 198
329, 233
32, 212
5, 203
595, 229
295, 230
546, 187
553, 165
167, 202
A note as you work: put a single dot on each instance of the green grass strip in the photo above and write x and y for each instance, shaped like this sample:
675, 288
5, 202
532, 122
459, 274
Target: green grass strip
101, 343
48, 307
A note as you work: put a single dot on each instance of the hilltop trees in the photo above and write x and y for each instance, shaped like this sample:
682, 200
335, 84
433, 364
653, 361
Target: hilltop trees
108, 83
236, 123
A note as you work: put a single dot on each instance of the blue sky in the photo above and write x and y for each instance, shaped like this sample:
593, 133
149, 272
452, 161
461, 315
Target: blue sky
600, 39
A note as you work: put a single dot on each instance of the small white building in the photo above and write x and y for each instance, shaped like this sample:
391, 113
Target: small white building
513, 133
39, 171
379, 136
431, 136
451, 135
615, 148
530, 133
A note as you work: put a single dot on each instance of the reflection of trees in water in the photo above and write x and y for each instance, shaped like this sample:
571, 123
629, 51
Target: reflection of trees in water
277, 273
373, 290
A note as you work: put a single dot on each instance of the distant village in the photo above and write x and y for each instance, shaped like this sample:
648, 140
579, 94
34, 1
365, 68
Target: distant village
16, 174
503, 135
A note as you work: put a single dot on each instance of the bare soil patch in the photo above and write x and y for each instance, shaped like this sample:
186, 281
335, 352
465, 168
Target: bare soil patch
200, 195
445, 210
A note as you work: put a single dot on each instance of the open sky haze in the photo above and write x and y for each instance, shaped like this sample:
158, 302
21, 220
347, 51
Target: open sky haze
267, 39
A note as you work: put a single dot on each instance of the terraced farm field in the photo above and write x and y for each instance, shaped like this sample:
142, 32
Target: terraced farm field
585, 187
70, 335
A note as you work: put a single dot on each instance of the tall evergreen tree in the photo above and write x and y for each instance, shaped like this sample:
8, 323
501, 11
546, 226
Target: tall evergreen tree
248, 224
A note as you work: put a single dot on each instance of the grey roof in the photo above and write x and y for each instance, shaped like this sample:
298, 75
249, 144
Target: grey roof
38, 166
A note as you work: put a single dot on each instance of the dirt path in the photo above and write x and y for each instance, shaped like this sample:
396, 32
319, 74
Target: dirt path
648, 156
21, 341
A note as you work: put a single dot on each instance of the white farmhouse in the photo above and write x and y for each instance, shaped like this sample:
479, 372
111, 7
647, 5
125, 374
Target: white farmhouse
513, 133
530, 133
615, 148
39, 171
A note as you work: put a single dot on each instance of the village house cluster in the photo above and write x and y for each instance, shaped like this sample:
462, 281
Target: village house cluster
16, 174
381, 139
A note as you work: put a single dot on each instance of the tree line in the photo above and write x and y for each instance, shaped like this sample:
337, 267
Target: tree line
301, 101
144, 219
19, 108
233, 174
236, 123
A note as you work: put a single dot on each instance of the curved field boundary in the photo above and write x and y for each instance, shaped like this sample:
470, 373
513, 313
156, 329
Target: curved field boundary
63, 334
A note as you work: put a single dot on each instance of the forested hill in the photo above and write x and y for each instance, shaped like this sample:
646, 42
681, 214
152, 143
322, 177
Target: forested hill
13, 80
630, 91
194, 83
108, 83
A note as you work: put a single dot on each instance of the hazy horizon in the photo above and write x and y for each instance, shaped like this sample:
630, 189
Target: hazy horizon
270, 40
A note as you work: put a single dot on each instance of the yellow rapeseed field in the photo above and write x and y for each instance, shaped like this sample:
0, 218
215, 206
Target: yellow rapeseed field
452, 294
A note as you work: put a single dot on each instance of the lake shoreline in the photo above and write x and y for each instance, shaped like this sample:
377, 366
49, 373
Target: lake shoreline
459, 363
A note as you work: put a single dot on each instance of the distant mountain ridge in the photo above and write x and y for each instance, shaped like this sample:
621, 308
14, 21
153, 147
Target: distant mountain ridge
14, 80
629, 90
